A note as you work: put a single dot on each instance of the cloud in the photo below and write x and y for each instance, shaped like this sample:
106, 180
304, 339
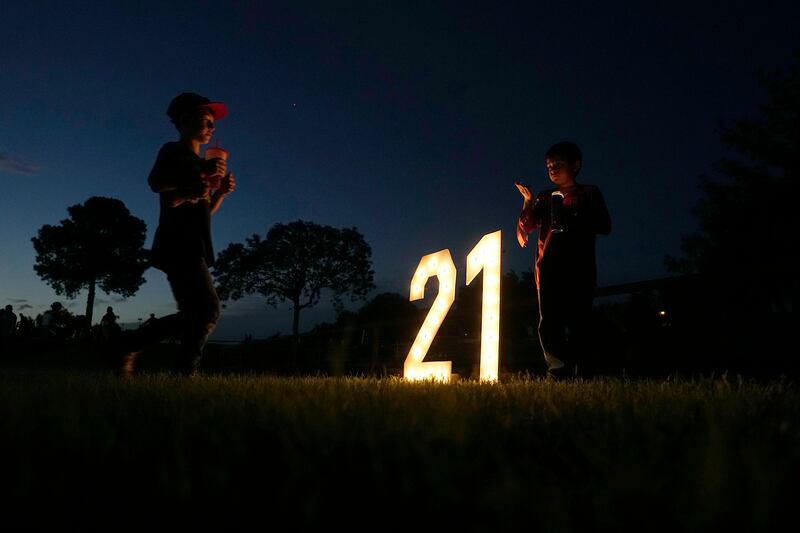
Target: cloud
15, 165
112, 300
20, 304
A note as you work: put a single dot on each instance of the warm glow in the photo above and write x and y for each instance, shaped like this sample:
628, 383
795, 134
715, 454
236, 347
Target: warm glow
439, 264
486, 256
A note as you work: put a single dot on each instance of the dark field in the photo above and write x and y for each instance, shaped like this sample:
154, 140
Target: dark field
82, 449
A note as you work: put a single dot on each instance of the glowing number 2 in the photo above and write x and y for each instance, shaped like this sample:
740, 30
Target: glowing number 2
484, 256
439, 264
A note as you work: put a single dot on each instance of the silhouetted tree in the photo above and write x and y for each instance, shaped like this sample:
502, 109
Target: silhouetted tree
295, 263
99, 245
749, 221
741, 310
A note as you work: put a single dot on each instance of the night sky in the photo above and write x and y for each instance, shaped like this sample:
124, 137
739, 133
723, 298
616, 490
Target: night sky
410, 121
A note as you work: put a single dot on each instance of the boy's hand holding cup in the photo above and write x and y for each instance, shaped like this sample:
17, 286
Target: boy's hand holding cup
220, 157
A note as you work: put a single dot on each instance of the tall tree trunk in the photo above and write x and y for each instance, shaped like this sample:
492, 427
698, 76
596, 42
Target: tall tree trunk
295, 332
90, 306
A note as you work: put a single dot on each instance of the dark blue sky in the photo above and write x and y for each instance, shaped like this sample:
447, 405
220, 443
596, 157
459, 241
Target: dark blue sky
410, 121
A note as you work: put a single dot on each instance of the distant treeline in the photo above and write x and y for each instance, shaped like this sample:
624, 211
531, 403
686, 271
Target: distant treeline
677, 324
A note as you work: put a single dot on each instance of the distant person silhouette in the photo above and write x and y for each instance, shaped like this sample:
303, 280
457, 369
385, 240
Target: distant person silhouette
182, 245
108, 324
54, 321
25, 326
8, 326
568, 219
150, 321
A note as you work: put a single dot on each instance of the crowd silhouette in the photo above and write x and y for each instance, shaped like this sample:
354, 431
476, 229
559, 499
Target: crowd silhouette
59, 325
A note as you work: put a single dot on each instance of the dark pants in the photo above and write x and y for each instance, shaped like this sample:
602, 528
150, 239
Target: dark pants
198, 306
565, 311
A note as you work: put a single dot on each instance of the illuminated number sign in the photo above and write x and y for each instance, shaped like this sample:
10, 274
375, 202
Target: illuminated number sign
484, 256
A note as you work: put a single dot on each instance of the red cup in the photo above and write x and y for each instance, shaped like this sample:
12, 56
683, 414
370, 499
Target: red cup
215, 152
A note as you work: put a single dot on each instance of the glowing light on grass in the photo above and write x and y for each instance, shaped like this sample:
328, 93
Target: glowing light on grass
486, 256
439, 264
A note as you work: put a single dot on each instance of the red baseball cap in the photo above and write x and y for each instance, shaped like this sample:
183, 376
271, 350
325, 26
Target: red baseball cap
186, 102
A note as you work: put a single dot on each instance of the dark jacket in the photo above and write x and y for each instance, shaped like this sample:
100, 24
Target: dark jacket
569, 256
184, 231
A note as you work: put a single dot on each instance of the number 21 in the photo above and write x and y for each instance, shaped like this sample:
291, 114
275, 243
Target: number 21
484, 256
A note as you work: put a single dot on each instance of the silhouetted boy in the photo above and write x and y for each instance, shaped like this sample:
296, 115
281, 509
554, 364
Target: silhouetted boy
568, 218
182, 245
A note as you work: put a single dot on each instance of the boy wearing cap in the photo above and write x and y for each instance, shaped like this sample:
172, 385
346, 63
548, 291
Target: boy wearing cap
182, 245
568, 218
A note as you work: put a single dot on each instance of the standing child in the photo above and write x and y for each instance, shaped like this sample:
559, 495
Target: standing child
568, 218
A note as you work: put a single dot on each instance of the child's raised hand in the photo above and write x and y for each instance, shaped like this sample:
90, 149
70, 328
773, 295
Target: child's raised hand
524, 191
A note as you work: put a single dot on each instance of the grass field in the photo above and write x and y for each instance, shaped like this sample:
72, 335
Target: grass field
80, 448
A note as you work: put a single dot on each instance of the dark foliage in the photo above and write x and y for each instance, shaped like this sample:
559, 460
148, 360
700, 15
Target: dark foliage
100, 245
747, 291
295, 263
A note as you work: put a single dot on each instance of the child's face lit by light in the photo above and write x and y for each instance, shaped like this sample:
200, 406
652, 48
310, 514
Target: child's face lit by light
199, 127
561, 172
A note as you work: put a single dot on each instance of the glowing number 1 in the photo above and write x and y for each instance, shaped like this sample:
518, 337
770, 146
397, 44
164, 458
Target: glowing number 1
485, 256
439, 264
